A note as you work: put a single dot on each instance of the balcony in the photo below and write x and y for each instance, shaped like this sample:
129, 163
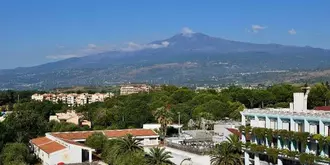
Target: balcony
288, 112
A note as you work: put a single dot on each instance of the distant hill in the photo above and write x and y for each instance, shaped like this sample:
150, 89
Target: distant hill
193, 58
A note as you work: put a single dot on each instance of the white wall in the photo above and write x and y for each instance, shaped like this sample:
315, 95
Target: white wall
151, 126
71, 155
150, 141
298, 101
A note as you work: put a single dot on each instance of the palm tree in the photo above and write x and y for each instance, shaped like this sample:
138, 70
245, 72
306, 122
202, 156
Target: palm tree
235, 142
224, 154
164, 117
158, 156
127, 144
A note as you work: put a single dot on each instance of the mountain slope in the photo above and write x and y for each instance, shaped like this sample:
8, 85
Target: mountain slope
183, 58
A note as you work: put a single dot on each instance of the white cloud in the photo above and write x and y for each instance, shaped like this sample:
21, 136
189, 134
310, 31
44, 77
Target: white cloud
187, 31
257, 28
60, 46
292, 32
63, 56
91, 46
91, 49
131, 46
87, 50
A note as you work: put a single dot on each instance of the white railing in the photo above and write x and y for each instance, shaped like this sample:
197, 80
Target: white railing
310, 113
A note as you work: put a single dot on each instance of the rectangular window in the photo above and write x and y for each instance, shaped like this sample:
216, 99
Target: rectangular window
286, 125
313, 129
300, 127
273, 124
262, 123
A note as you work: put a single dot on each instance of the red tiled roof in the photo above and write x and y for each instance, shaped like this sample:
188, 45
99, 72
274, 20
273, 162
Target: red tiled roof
322, 108
40, 141
52, 147
134, 132
236, 132
74, 143
73, 135
109, 133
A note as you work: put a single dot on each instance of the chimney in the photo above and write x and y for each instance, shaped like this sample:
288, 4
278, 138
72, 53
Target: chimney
298, 101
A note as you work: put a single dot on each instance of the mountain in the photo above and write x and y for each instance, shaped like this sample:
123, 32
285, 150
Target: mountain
181, 59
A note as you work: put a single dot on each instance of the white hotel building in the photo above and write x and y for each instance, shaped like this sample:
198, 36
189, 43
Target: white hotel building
68, 147
295, 119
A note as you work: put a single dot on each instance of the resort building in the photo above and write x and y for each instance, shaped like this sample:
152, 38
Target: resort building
134, 88
70, 117
286, 136
68, 147
72, 99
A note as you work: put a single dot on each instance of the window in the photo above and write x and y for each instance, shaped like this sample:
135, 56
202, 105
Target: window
273, 124
300, 127
313, 129
286, 125
152, 138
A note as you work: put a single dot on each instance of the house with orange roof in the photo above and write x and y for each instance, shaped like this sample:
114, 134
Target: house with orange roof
68, 147
70, 117
51, 150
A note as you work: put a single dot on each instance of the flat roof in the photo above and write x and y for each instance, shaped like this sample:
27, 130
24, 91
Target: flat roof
288, 112
77, 135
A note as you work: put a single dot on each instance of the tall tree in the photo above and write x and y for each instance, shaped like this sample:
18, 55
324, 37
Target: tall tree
164, 117
127, 144
318, 95
224, 154
158, 156
235, 142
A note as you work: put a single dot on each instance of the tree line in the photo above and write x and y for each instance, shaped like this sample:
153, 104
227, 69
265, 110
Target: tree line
30, 118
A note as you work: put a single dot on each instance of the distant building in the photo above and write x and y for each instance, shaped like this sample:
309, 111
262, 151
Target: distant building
3, 115
72, 99
70, 117
69, 148
99, 97
134, 88
37, 97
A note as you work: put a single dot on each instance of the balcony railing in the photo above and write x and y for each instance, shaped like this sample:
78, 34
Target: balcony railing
309, 113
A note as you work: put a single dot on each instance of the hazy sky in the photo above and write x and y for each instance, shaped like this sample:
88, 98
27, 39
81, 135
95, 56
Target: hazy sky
38, 31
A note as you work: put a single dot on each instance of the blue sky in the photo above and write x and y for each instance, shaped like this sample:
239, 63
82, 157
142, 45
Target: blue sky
38, 31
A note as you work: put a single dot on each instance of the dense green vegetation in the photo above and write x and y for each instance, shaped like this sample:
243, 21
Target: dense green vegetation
29, 119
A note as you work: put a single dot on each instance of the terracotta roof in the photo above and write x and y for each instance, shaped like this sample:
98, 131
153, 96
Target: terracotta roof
109, 133
74, 143
74, 135
236, 132
134, 132
323, 108
40, 141
52, 147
